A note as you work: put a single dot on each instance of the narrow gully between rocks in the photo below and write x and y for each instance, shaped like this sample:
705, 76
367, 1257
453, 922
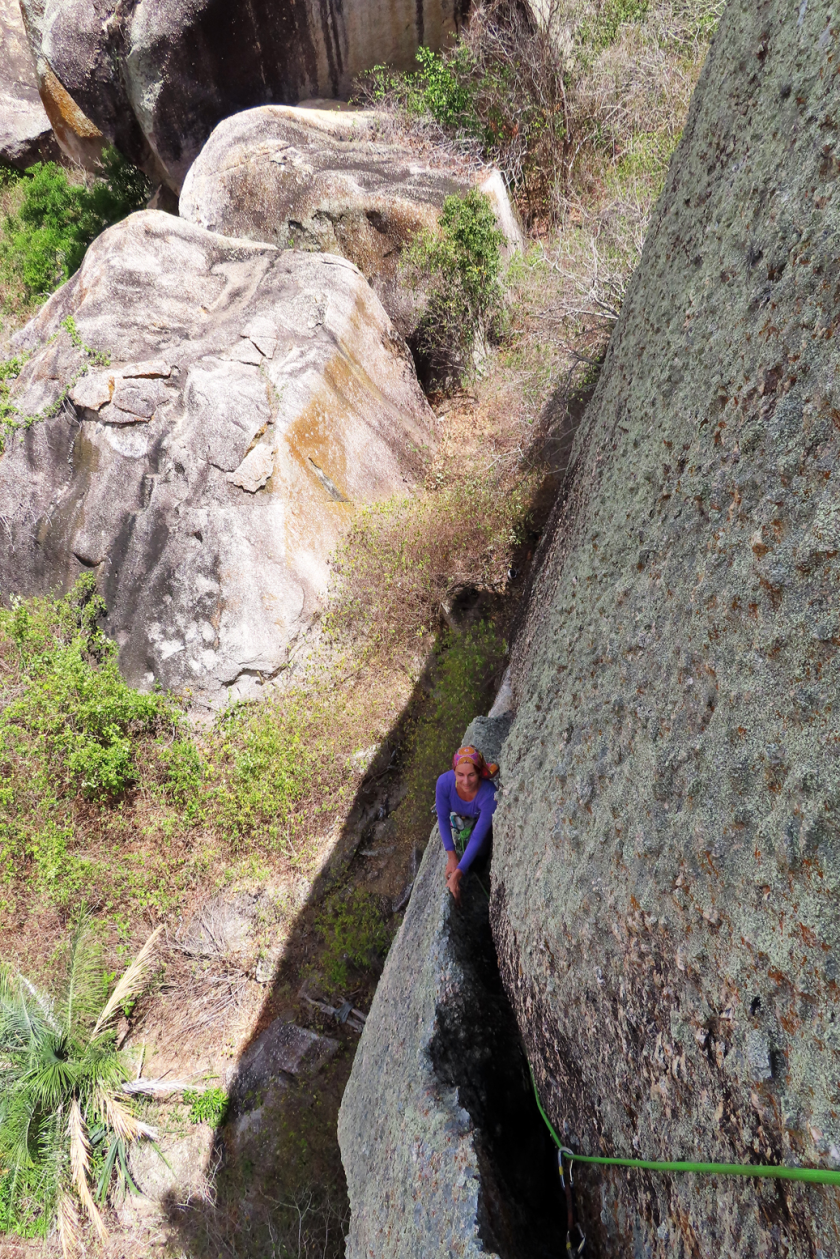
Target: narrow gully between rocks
477, 1049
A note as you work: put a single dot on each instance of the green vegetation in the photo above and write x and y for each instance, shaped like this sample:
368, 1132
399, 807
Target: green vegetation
48, 217
459, 266
44, 241
76, 721
600, 29
209, 1106
65, 1125
354, 935
465, 669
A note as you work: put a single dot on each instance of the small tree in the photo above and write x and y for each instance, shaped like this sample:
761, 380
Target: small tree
65, 1123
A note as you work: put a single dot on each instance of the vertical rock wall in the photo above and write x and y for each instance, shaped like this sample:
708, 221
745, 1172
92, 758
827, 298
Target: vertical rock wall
444, 1151
667, 858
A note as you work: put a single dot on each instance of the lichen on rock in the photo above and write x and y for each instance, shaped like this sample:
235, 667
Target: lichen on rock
189, 473
667, 867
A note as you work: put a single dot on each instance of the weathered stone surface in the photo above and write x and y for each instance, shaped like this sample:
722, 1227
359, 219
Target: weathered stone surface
323, 179
181, 1175
433, 1126
667, 861
218, 349
155, 76
25, 132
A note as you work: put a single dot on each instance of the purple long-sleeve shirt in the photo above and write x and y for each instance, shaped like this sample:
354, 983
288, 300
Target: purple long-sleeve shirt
482, 807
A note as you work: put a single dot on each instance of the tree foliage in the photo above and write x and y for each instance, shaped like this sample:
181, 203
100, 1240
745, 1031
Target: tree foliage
44, 243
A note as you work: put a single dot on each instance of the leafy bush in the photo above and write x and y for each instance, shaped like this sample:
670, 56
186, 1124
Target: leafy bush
43, 243
265, 762
459, 266
209, 1106
77, 715
65, 1125
354, 935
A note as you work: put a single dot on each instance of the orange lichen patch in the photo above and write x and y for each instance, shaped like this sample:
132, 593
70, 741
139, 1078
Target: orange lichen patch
76, 133
58, 100
312, 440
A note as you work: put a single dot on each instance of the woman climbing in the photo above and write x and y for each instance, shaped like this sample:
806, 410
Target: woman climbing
465, 799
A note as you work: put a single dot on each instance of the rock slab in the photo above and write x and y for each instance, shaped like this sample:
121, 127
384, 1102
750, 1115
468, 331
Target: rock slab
432, 1105
156, 76
324, 179
25, 132
667, 861
250, 399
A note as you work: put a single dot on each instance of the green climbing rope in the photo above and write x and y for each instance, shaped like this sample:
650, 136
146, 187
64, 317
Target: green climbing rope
812, 1175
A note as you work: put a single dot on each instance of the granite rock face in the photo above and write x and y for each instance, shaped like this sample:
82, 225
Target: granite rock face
156, 76
437, 1157
25, 132
667, 853
323, 179
204, 474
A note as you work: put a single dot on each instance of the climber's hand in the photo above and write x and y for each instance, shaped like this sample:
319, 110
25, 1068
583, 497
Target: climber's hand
453, 882
451, 864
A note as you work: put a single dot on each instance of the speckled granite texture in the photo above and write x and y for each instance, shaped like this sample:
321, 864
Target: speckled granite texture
667, 860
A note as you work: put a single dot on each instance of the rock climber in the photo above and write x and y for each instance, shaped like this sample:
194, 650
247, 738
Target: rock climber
465, 799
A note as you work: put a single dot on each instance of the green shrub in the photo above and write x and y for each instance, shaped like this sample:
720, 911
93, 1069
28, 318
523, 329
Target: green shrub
209, 1106
185, 777
459, 266
266, 764
354, 935
77, 714
44, 242
441, 88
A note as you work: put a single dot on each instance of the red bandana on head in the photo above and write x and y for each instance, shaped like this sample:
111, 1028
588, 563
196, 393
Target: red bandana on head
474, 756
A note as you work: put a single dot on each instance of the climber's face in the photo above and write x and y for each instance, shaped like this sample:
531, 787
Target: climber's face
466, 777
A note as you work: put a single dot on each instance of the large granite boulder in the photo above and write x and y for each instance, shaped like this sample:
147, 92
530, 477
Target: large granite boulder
323, 179
25, 132
251, 397
443, 1148
667, 854
155, 76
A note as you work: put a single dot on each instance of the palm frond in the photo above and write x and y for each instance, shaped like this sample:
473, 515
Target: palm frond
51, 1073
130, 985
24, 1013
83, 984
80, 1167
68, 1225
120, 1119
